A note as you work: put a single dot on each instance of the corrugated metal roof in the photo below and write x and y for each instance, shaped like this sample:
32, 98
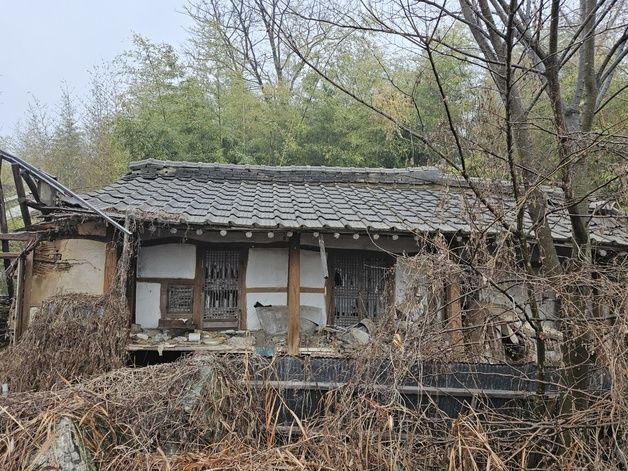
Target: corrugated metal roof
319, 198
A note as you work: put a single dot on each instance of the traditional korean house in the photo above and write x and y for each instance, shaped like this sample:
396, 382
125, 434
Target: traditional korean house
246, 247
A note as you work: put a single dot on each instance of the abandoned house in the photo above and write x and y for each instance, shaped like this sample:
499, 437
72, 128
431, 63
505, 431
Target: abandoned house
245, 248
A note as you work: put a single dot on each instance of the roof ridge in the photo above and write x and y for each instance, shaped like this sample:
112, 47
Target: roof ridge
186, 163
153, 168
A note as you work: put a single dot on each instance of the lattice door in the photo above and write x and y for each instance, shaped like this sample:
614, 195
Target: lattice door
222, 286
359, 281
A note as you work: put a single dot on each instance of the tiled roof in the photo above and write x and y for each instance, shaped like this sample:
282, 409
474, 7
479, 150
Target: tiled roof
317, 198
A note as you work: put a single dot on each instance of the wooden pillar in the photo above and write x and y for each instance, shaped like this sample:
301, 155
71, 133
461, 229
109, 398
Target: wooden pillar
244, 257
198, 292
294, 294
27, 287
454, 318
4, 228
111, 267
21, 195
22, 295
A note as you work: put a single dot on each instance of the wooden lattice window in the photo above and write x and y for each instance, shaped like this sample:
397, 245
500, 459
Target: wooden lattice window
222, 286
180, 299
359, 285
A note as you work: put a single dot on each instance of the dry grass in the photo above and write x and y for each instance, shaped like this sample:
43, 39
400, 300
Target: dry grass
73, 336
203, 413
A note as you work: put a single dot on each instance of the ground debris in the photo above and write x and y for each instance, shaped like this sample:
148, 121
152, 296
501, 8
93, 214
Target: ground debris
229, 413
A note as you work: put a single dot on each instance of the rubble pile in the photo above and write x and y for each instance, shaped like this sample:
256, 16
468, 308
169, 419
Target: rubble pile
326, 340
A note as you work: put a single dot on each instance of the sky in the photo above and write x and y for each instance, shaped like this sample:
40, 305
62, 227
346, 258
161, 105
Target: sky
46, 43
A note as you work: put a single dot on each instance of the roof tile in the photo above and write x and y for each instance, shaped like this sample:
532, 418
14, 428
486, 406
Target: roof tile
315, 198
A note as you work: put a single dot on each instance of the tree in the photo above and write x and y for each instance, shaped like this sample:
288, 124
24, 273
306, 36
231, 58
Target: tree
67, 153
164, 113
106, 157
33, 138
241, 38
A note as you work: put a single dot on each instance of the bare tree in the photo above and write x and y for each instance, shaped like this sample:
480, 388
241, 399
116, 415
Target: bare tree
243, 37
528, 51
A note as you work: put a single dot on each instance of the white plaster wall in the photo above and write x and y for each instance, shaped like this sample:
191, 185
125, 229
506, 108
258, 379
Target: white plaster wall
411, 288
147, 304
311, 269
546, 302
402, 282
81, 268
267, 268
167, 261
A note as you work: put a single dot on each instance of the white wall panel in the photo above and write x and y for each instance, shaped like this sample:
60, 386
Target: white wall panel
311, 269
147, 304
167, 261
267, 268
81, 269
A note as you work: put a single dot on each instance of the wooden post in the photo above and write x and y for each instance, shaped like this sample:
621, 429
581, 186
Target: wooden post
19, 305
4, 228
27, 287
454, 318
244, 256
21, 195
294, 294
111, 267
198, 291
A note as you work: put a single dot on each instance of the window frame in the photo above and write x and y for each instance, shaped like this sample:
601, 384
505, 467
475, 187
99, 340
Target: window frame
387, 280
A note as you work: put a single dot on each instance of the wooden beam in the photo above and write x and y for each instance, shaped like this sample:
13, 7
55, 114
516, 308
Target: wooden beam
45, 178
283, 289
31, 186
324, 264
22, 236
27, 287
161, 279
267, 289
9, 255
19, 305
329, 301
21, 195
403, 389
294, 294
244, 259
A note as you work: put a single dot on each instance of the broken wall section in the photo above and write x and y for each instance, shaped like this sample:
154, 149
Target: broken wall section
467, 318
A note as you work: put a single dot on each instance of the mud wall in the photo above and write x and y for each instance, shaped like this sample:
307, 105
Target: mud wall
67, 266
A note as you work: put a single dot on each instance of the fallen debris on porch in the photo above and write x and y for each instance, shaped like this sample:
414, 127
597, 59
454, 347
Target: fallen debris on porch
326, 341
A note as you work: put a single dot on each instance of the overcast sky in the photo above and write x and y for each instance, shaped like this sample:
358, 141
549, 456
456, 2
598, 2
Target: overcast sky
46, 42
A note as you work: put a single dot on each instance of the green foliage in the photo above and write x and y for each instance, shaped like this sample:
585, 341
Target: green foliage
209, 105
170, 112
221, 102
177, 124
